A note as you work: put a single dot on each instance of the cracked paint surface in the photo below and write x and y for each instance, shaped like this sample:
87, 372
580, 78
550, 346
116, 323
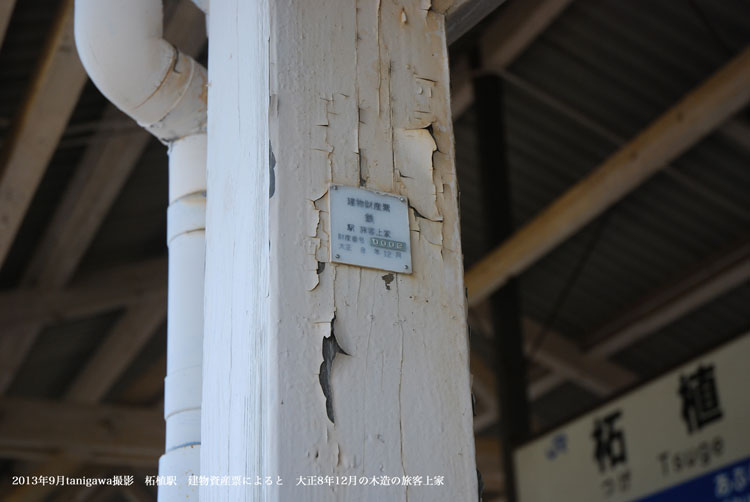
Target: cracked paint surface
330, 349
415, 169
373, 113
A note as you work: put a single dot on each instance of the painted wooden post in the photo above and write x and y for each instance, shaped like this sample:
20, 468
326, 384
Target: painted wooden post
303, 95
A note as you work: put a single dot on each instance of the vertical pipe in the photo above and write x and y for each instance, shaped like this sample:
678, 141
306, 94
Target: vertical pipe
509, 355
121, 45
182, 386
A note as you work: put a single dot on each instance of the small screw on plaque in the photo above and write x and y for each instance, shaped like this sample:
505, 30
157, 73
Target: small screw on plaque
338, 256
406, 267
401, 199
335, 187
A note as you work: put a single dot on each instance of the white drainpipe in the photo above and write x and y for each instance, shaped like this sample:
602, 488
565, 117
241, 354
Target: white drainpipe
121, 46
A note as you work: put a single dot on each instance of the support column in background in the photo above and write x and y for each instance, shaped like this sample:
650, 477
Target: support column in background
506, 312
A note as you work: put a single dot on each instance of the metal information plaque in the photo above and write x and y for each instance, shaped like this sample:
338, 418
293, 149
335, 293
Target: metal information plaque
369, 229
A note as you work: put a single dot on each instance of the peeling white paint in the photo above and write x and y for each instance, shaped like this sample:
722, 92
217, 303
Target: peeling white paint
361, 98
431, 231
415, 169
311, 280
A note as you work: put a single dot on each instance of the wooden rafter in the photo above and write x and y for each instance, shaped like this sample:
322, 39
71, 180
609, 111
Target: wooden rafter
89, 431
70, 462
563, 357
91, 385
24, 312
103, 171
566, 361
519, 25
709, 281
666, 305
463, 15
98, 179
37, 129
702, 110
514, 29
138, 393
557, 353
102, 174
108, 290
117, 351
734, 130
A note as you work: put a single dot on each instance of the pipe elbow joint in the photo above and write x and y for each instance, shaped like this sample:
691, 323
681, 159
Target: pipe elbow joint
121, 46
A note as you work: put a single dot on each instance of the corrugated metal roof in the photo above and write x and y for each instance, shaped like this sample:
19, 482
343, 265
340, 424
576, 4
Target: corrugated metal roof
720, 320
619, 65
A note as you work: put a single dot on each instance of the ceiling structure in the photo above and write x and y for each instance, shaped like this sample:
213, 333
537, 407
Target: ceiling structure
617, 293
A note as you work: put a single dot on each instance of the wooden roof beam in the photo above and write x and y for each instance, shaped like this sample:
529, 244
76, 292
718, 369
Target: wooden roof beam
590, 369
103, 171
109, 362
98, 179
113, 433
36, 131
24, 312
663, 307
125, 285
734, 130
668, 305
516, 27
659, 309
463, 15
561, 356
700, 112
114, 355
70, 462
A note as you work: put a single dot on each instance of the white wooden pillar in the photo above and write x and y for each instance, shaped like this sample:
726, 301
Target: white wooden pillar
302, 95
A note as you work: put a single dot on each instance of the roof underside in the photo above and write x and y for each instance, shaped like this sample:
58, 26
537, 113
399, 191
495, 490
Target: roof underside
594, 79
599, 74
